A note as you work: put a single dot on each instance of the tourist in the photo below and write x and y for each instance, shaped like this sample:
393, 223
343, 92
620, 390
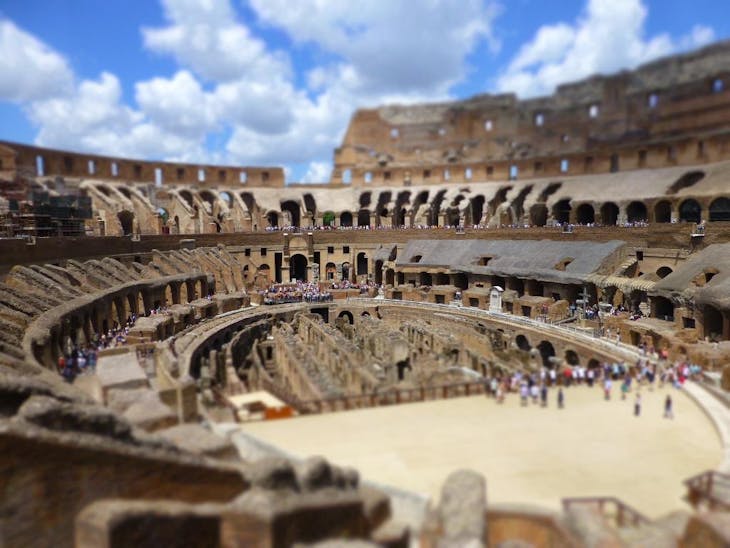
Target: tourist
668, 413
561, 398
543, 395
607, 385
589, 377
534, 393
523, 394
637, 405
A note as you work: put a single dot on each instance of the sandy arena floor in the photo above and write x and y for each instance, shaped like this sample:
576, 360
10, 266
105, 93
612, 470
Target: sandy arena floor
528, 455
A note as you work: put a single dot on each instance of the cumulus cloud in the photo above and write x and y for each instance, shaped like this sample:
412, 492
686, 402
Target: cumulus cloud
318, 172
392, 46
30, 69
607, 37
205, 36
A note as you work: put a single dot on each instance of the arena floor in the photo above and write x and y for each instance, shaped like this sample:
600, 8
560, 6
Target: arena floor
528, 455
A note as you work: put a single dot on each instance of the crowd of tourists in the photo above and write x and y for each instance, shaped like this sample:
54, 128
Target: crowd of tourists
564, 226
295, 292
645, 374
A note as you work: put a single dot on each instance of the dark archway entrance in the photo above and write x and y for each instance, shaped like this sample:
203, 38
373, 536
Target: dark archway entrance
720, 209
298, 267
538, 215
523, 343
547, 351
609, 214
346, 218
294, 212
663, 212
585, 215
690, 211
126, 219
636, 212
561, 211
362, 264
379, 272
713, 323
363, 217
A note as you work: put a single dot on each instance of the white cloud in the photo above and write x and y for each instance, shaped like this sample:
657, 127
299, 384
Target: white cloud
205, 36
178, 104
393, 46
29, 69
318, 172
607, 37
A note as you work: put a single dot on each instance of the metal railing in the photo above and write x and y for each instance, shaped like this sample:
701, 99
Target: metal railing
614, 509
711, 488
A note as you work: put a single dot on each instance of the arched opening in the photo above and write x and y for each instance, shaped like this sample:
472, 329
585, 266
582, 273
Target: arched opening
390, 277
379, 272
571, 357
561, 211
345, 271
690, 211
330, 271
294, 211
713, 323
328, 218
720, 209
362, 264
477, 209
452, 217
126, 219
585, 215
298, 267
347, 315
547, 351
662, 308
346, 218
538, 215
593, 363
663, 271
424, 278
609, 214
636, 212
523, 343
363, 217
273, 219
187, 196
663, 212
403, 367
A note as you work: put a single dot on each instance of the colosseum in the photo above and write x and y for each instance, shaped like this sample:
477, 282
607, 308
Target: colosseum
501, 322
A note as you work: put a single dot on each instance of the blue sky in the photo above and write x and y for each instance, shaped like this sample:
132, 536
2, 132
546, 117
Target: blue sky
274, 82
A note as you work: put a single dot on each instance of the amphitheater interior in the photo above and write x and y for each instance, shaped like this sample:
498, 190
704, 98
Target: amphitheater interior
150, 311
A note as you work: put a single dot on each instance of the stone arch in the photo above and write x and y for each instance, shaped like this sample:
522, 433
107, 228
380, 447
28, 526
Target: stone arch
690, 211
295, 214
126, 220
720, 209
662, 308
523, 343
362, 264
663, 271
298, 267
272, 217
547, 351
476, 209
363, 217
346, 218
538, 215
571, 357
346, 271
390, 277
713, 322
663, 212
347, 315
585, 214
330, 270
636, 212
609, 213
379, 272
328, 218
561, 211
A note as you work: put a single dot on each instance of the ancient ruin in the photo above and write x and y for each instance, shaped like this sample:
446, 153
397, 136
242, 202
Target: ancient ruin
150, 311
